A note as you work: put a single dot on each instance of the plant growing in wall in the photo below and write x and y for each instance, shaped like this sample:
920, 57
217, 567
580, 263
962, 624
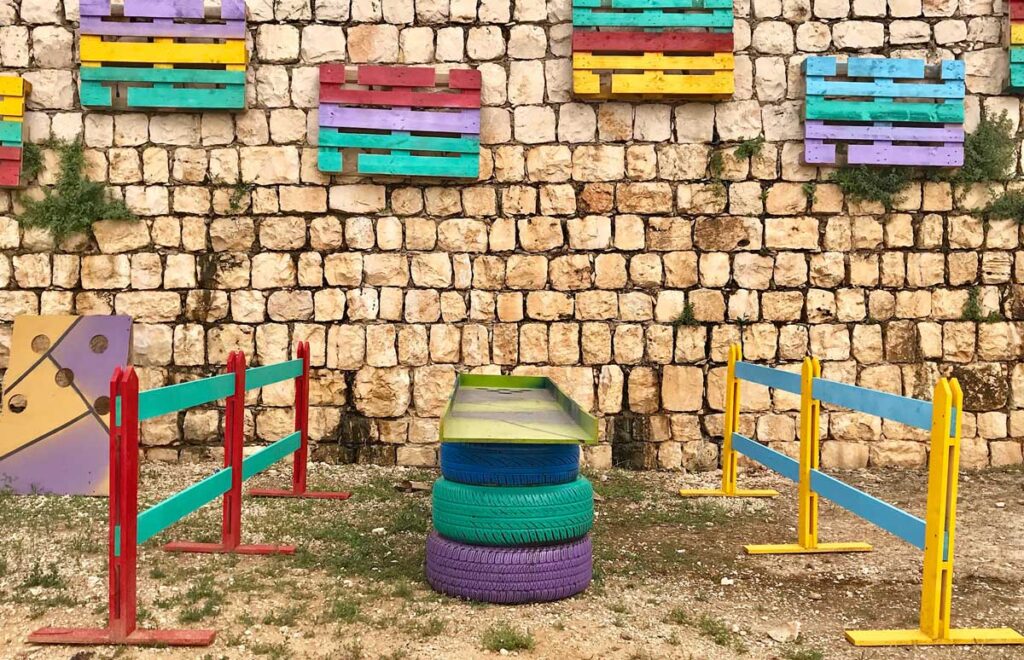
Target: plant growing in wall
74, 203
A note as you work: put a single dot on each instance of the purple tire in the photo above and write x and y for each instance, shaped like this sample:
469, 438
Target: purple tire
509, 575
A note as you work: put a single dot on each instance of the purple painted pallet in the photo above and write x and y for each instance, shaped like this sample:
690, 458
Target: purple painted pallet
883, 143
336, 116
229, 9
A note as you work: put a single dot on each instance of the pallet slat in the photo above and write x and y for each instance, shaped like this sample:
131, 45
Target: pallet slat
652, 18
877, 122
399, 121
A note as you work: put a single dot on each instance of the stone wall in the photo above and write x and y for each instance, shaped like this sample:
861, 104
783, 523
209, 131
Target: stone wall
592, 226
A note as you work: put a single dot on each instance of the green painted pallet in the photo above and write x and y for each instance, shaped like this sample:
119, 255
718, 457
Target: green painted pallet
514, 409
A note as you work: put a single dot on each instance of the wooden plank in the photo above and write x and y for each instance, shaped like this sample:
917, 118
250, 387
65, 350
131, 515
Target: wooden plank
11, 131
1017, 55
12, 106
10, 153
172, 398
881, 110
773, 378
399, 97
1017, 76
231, 97
877, 67
1016, 10
771, 459
95, 95
12, 86
397, 76
10, 174
462, 122
647, 42
164, 8
95, 25
912, 412
399, 142
172, 76
654, 61
438, 166
1017, 33
264, 458
653, 4
880, 514
93, 49
258, 377
161, 516
329, 160
656, 82
950, 155
818, 86
822, 131
464, 79
716, 18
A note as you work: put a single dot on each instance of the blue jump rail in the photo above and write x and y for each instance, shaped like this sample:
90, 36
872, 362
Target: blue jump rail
774, 378
896, 408
161, 516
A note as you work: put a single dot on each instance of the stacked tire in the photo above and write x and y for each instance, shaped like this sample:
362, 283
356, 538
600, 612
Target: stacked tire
511, 523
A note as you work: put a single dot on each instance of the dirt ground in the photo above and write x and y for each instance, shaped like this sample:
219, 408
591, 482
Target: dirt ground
672, 580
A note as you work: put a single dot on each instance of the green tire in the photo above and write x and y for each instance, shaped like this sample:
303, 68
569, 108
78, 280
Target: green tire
513, 515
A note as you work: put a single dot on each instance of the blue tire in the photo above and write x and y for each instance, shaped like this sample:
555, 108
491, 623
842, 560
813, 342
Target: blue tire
487, 464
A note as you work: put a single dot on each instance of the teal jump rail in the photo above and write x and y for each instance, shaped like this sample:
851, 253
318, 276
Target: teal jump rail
161, 516
774, 378
767, 457
174, 398
270, 454
896, 408
258, 377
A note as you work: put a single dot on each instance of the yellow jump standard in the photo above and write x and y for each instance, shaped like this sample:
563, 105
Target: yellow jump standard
935, 535
730, 459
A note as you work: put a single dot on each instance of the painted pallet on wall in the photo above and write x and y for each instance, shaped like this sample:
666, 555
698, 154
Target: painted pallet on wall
877, 111
13, 91
1015, 13
652, 49
163, 54
399, 121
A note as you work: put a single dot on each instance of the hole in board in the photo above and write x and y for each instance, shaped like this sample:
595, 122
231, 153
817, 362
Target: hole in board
40, 343
64, 377
102, 405
17, 403
98, 344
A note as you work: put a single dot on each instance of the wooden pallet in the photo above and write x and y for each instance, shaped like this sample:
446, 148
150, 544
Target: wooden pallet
163, 54
399, 121
1016, 18
876, 111
13, 91
638, 49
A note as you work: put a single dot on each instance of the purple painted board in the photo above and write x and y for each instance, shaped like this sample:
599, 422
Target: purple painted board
394, 119
90, 365
164, 8
94, 7
817, 129
949, 155
162, 27
72, 462
232, 9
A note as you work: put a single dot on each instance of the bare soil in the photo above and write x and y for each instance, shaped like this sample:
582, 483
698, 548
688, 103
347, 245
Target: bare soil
672, 580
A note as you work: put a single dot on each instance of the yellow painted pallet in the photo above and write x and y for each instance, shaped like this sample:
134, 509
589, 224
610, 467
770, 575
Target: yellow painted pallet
1016, 33
94, 50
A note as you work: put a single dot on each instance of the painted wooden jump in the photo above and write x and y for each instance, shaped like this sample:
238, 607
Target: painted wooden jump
935, 535
128, 528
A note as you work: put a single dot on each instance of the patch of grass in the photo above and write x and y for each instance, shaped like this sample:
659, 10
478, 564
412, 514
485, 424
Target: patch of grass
201, 600
972, 309
873, 184
679, 616
432, 627
750, 148
74, 203
716, 165
352, 651
275, 651
720, 634
1008, 206
344, 611
619, 485
48, 579
3, 566
503, 636
412, 517
403, 590
285, 617
618, 608
31, 161
238, 193
797, 653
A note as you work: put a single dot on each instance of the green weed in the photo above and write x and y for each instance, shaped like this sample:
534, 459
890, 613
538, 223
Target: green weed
503, 636
344, 611
972, 309
48, 579
873, 184
750, 148
797, 653
720, 634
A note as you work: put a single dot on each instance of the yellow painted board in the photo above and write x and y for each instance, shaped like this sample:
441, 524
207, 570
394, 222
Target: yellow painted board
94, 49
12, 86
718, 492
586, 82
1017, 33
12, 106
61, 405
918, 638
655, 61
795, 549
656, 82
45, 330
18, 120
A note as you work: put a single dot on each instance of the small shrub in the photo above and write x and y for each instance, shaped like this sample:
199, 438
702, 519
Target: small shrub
48, 579
432, 627
503, 636
988, 152
873, 184
31, 161
75, 202
1008, 206
679, 617
810, 190
750, 148
972, 309
343, 610
716, 165
686, 316
796, 653
720, 634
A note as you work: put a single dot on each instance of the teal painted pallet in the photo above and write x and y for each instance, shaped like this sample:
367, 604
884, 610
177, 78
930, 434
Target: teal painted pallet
716, 18
654, 4
95, 94
883, 110
11, 132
